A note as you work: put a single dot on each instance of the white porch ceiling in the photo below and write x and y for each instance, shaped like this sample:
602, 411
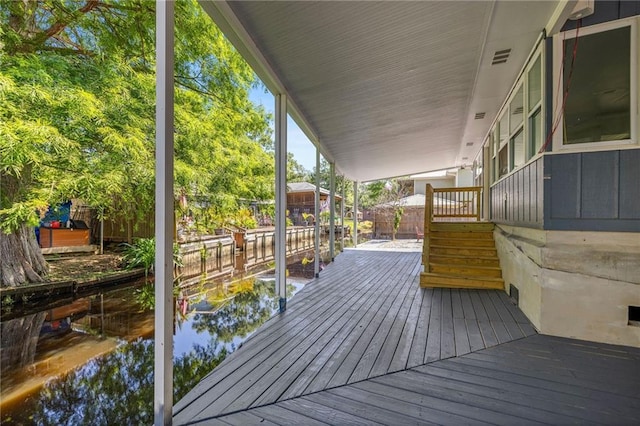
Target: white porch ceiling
387, 88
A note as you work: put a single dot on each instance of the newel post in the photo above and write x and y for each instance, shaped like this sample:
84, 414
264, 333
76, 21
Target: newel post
428, 216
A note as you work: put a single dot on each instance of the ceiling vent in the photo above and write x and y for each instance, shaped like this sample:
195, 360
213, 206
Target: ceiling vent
469, 143
501, 56
465, 158
518, 110
479, 115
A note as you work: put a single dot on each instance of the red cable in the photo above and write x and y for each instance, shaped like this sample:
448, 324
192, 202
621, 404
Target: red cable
566, 92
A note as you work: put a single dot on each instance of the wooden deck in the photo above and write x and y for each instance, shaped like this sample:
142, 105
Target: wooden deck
363, 344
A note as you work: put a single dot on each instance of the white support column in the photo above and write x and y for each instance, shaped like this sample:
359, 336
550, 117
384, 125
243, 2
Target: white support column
316, 213
486, 173
281, 199
163, 355
332, 211
342, 217
355, 213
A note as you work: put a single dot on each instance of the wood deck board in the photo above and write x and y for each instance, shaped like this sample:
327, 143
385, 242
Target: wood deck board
358, 363
243, 418
323, 413
550, 395
406, 406
401, 356
364, 409
404, 388
366, 318
419, 343
497, 400
391, 344
267, 369
294, 373
330, 368
268, 342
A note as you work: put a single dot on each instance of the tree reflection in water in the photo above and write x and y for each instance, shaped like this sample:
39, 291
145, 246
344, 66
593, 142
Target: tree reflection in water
118, 387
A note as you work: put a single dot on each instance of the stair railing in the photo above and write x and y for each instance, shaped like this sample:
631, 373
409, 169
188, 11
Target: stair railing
456, 204
448, 205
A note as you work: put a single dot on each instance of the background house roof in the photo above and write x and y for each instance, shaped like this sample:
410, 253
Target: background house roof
296, 187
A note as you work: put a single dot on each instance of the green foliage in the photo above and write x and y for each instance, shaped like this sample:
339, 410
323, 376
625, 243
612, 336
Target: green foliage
77, 110
142, 254
118, 388
325, 181
397, 217
244, 219
386, 197
145, 296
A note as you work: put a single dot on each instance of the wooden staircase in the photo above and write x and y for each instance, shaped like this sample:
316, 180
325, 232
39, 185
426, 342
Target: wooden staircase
461, 255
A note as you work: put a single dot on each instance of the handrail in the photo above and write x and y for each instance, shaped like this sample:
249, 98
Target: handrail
454, 204
463, 202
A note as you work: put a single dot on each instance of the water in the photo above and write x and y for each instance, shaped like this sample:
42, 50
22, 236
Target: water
97, 352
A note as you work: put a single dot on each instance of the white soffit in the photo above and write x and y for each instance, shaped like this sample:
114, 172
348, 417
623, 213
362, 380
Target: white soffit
385, 87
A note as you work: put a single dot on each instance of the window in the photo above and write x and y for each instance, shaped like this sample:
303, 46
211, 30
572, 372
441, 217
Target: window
598, 106
534, 129
535, 132
503, 161
516, 110
517, 150
535, 84
518, 134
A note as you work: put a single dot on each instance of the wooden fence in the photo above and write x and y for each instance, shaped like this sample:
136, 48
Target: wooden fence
215, 256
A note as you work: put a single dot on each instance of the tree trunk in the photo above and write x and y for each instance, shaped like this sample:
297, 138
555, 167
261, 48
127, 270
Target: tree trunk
22, 260
19, 339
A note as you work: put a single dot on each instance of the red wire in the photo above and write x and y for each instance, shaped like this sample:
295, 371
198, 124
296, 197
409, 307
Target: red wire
566, 92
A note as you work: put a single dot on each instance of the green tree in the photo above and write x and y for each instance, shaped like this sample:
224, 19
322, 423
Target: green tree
385, 198
295, 171
325, 182
77, 104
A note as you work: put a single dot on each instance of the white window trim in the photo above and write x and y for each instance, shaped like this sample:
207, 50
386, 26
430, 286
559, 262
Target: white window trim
558, 145
504, 110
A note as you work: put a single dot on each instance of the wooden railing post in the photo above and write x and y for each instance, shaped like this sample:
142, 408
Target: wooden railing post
428, 217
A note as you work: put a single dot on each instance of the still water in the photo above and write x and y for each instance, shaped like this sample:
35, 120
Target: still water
95, 355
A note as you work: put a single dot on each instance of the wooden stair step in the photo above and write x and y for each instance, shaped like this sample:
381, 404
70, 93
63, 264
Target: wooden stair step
475, 235
461, 226
460, 242
465, 270
453, 259
469, 251
430, 279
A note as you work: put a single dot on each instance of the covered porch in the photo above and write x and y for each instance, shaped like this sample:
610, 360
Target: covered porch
364, 344
382, 90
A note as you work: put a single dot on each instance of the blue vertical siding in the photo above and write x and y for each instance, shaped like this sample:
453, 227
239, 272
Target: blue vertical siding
517, 199
593, 191
586, 191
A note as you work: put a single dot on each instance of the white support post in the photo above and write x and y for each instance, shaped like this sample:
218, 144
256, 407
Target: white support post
316, 213
281, 199
342, 216
332, 210
163, 356
486, 173
355, 213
